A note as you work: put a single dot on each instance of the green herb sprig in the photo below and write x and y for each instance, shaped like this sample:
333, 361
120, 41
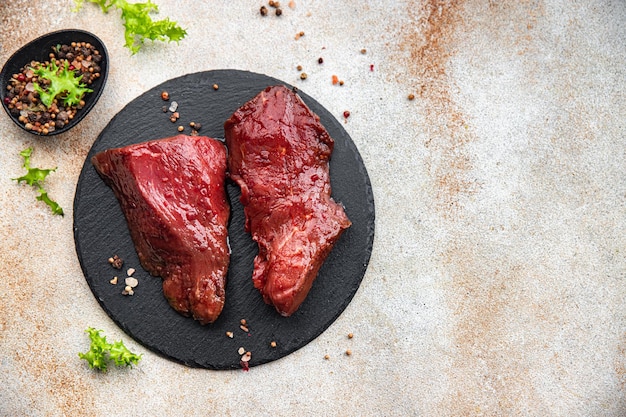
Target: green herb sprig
64, 84
35, 177
138, 24
101, 353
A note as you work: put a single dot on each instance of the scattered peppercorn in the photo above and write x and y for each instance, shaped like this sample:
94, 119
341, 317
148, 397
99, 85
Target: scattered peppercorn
320, 60
340, 82
216, 87
346, 114
350, 335
411, 96
363, 51
273, 344
181, 128
348, 352
116, 262
299, 67
303, 76
165, 96
263, 11
279, 11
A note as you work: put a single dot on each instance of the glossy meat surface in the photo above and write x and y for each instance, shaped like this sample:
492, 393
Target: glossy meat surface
279, 154
173, 197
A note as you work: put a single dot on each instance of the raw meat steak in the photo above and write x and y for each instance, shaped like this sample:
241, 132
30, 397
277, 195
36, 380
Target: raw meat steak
173, 197
278, 155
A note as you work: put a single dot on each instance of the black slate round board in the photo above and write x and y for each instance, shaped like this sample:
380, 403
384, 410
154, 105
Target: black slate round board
100, 231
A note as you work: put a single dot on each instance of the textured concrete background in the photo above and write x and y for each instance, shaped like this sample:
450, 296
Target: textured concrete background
497, 284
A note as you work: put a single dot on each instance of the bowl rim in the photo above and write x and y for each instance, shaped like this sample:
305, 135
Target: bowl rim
38, 49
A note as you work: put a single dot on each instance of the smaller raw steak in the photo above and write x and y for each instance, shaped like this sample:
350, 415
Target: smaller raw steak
278, 154
173, 197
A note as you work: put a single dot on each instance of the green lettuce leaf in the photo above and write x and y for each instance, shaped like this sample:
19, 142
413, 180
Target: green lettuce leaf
64, 84
138, 24
35, 177
101, 352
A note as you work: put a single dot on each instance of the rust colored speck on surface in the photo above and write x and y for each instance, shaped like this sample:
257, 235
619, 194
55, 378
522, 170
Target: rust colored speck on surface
430, 39
480, 291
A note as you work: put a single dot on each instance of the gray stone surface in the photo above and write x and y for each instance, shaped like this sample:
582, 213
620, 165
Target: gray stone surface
497, 281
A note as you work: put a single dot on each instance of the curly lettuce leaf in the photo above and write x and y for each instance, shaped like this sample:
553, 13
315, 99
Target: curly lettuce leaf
54, 206
64, 84
138, 24
101, 352
35, 177
96, 355
122, 356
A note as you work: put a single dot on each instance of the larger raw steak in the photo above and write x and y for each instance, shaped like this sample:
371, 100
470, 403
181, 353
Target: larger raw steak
173, 197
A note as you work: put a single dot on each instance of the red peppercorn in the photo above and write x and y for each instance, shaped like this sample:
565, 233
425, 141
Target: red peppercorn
21, 78
7, 101
346, 114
